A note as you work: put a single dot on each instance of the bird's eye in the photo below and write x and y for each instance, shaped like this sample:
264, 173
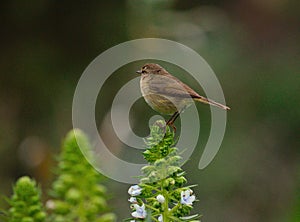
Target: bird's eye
144, 69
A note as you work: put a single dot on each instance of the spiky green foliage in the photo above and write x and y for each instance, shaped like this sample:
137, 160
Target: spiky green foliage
25, 203
162, 190
77, 194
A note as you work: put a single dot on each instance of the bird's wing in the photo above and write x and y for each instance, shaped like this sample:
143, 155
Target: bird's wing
171, 86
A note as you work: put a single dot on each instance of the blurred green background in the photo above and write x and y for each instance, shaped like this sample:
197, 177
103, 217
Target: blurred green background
253, 46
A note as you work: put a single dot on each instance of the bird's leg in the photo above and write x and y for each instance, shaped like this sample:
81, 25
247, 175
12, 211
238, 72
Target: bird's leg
171, 121
173, 118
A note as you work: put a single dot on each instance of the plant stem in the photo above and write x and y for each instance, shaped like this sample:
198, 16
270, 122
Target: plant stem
165, 206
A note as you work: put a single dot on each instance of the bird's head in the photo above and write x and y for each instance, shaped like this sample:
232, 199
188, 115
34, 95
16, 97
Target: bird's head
151, 68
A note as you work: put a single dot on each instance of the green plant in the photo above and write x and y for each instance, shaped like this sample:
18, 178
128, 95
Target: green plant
161, 194
25, 203
77, 194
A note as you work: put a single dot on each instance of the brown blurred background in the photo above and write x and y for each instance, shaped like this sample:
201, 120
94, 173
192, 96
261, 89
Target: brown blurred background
253, 46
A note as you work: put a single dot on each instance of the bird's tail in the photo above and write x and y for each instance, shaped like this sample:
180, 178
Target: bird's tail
211, 102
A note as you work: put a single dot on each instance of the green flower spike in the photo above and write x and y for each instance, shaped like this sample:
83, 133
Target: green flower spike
77, 194
161, 194
25, 203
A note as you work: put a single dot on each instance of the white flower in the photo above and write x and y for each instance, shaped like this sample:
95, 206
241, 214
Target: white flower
132, 200
160, 198
50, 204
139, 212
187, 197
135, 190
160, 218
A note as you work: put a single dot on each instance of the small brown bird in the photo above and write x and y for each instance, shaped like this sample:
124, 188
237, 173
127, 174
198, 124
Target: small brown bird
168, 95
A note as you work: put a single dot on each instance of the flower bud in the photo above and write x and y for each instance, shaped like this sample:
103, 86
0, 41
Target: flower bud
180, 181
160, 198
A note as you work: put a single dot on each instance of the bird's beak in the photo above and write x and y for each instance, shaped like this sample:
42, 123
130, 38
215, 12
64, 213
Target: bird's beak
139, 72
